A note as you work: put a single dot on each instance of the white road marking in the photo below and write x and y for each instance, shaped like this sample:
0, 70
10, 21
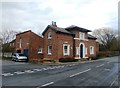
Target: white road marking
29, 71
62, 66
107, 69
37, 69
100, 66
52, 67
113, 81
47, 84
80, 73
58, 66
82, 79
18, 72
73, 64
45, 69
7, 74
70, 65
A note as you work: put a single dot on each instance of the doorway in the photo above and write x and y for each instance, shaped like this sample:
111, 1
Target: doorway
81, 50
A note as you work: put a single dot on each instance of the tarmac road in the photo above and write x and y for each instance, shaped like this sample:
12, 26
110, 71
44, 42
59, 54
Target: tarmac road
98, 73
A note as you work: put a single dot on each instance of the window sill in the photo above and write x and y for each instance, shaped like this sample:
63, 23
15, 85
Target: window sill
39, 52
66, 55
50, 38
92, 54
49, 54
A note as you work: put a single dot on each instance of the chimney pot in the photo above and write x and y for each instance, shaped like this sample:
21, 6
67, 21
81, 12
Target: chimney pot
54, 23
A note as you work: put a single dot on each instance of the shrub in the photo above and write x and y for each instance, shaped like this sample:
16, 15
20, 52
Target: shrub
93, 57
67, 60
52, 61
108, 54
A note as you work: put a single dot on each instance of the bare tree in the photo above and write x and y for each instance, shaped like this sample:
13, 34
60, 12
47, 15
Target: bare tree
106, 36
7, 36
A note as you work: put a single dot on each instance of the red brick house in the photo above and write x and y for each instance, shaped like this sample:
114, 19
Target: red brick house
30, 44
71, 42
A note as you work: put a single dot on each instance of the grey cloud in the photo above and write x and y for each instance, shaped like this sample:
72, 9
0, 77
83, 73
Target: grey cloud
24, 15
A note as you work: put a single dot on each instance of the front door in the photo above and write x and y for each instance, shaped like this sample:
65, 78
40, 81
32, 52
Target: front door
25, 52
81, 50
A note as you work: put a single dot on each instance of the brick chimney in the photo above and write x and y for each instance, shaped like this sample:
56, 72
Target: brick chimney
54, 24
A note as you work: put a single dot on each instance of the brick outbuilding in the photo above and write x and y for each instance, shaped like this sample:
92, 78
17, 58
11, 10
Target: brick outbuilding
30, 44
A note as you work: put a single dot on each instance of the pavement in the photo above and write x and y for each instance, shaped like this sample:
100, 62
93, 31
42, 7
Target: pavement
98, 73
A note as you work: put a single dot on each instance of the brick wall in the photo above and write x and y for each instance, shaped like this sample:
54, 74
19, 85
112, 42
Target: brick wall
35, 42
25, 39
32, 42
65, 39
57, 42
50, 42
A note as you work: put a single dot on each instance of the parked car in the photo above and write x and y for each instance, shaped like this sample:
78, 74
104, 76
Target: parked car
19, 57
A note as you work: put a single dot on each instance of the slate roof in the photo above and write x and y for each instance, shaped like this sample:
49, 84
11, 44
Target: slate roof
67, 30
24, 32
74, 27
57, 29
91, 37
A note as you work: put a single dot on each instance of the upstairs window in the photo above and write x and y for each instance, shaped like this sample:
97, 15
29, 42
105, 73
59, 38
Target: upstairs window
66, 49
49, 35
82, 35
91, 50
40, 50
49, 50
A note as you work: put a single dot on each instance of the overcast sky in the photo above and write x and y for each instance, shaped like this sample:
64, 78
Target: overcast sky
36, 15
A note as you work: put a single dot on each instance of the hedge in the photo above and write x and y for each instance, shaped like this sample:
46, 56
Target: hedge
67, 60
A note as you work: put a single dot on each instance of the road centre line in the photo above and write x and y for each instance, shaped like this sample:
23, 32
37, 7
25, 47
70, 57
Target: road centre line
106, 69
100, 66
80, 73
47, 84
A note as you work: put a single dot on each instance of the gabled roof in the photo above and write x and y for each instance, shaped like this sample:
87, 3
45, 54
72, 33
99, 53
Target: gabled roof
73, 27
28, 31
13, 41
91, 37
24, 32
57, 30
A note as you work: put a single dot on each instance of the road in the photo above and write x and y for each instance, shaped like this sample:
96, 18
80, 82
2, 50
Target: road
98, 73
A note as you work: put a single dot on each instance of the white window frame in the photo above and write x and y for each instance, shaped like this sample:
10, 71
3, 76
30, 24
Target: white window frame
81, 35
49, 51
77, 50
68, 49
91, 49
49, 35
40, 50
